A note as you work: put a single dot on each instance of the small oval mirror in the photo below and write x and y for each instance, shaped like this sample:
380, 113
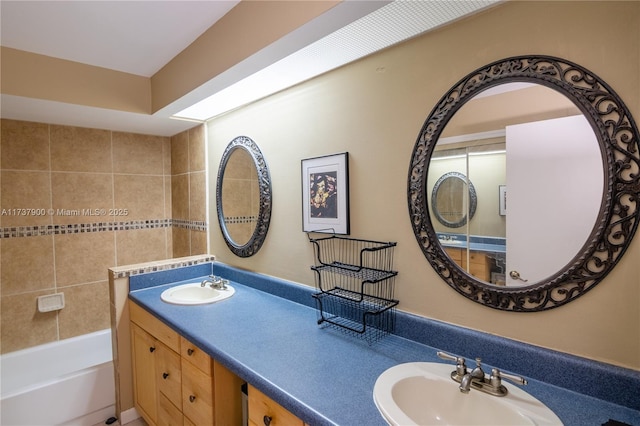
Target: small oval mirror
452, 196
243, 197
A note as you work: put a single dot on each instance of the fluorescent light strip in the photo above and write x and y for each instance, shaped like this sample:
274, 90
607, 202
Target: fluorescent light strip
391, 24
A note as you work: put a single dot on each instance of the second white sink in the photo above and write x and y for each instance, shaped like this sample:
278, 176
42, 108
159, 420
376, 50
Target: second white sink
423, 393
195, 294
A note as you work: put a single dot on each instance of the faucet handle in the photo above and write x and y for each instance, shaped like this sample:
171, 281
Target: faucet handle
497, 375
461, 366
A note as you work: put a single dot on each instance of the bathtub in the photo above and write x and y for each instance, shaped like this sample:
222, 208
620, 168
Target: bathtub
68, 382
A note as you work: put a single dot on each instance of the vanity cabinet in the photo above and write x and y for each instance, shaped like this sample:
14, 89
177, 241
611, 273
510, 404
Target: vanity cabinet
175, 382
263, 411
479, 262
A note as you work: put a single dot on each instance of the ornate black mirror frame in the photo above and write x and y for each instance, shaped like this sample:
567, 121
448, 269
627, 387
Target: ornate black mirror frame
617, 221
252, 246
473, 200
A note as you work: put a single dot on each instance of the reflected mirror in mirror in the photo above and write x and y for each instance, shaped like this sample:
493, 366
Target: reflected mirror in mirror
243, 197
453, 200
536, 142
554, 162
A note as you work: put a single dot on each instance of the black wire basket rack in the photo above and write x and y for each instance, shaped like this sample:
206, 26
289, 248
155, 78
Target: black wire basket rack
355, 281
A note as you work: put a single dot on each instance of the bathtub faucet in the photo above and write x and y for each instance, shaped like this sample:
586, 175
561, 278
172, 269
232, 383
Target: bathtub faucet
215, 282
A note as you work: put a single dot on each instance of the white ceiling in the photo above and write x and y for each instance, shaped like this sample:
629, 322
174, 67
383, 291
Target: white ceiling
140, 37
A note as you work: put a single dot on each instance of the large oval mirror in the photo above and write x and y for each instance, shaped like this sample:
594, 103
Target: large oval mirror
243, 197
565, 146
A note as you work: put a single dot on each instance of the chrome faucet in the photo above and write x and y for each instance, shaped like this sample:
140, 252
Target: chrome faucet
477, 379
476, 376
216, 282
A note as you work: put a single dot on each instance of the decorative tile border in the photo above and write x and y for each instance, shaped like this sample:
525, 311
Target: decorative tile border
80, 228
192, 225
240, 219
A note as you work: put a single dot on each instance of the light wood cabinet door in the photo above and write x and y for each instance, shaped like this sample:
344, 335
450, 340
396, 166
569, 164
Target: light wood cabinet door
144, 373
227, 393
197, 394
263, 411
168, 414
169, 374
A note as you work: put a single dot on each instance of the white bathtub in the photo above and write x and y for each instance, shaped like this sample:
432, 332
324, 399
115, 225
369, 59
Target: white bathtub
68, 382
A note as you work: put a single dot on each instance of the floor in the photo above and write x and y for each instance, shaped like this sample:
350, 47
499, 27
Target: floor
136, 422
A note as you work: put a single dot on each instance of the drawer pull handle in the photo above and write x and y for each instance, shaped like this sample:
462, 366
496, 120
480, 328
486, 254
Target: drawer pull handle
190, 351
165, 375
151, 349
267, 420
192, 398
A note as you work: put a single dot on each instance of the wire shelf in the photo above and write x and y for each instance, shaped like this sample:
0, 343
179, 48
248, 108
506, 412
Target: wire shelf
356, 285
368, 317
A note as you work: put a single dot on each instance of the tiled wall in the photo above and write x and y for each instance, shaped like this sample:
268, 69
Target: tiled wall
76, 201
188, 186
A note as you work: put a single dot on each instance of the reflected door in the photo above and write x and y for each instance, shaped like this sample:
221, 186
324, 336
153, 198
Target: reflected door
554, 170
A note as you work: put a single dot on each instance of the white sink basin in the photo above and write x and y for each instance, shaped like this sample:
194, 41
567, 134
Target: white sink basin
423, 393
195, 294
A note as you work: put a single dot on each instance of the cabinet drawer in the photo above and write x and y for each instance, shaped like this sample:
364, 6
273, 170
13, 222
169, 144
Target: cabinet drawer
195, 355
168, 414
477, 258
168, 375
454, 253
197, 394
262, 407
155, 327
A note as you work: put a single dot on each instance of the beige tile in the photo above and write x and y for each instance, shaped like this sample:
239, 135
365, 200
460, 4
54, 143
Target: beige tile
236, 197
77, 192
181, 242
166, 153
180, 153
168, 209
141, 196
180, 197
86, 309
79, 149
141, 245
25, 190
26, 264
22, 325
83, 257
138, 154
24, 145
197, 196
240, 166
240, 233
198, 242
169, 246
197, 158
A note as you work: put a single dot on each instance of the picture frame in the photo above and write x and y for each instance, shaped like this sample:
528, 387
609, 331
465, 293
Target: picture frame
325, 194
502, 200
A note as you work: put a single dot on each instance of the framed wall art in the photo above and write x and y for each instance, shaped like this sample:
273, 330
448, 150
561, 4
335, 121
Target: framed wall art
502, 200
325, 194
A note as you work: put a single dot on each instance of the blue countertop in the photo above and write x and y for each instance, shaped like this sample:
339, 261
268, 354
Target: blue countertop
320, 374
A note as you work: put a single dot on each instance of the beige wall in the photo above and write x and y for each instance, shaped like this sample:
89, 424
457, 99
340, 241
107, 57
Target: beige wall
374, 109
68, 169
